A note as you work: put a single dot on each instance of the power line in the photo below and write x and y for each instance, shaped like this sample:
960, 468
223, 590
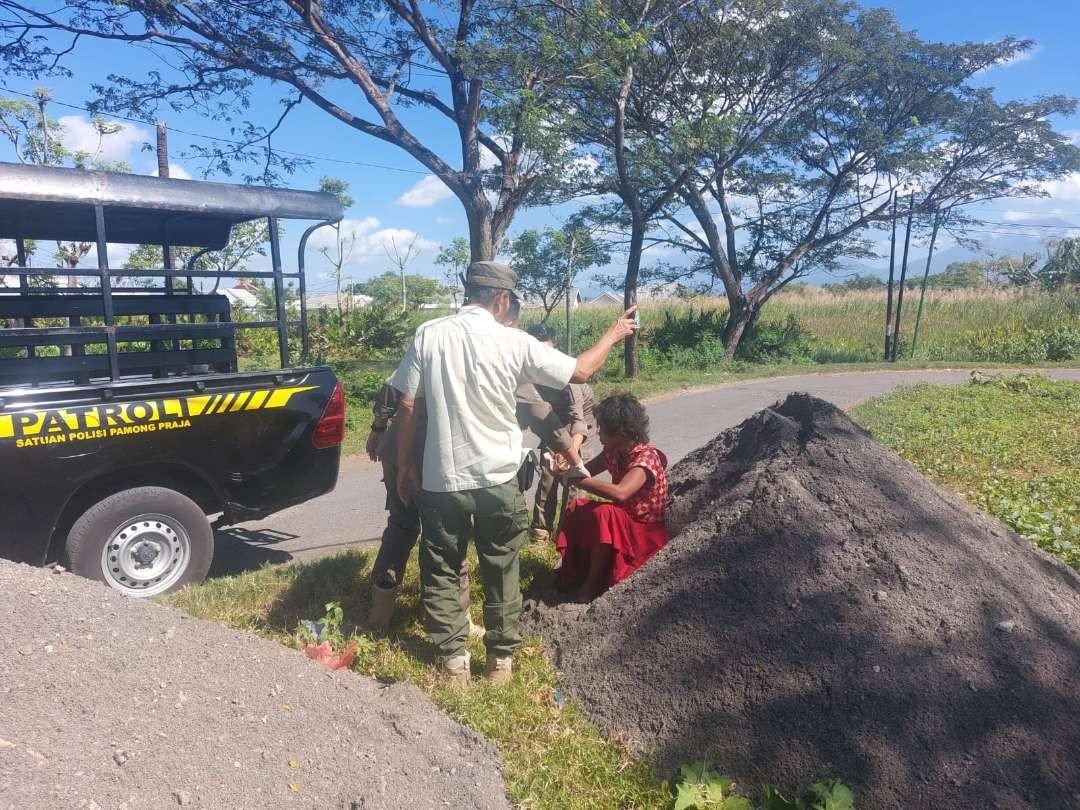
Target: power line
304, 155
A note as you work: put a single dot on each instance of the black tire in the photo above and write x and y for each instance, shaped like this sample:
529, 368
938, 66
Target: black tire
159, 540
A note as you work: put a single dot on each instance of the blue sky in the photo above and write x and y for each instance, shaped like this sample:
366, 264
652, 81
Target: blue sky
397, 204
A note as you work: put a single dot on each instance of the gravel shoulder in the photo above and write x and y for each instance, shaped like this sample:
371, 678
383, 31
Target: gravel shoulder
110, 702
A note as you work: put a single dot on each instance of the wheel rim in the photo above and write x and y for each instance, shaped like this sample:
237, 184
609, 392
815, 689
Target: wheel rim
146, 554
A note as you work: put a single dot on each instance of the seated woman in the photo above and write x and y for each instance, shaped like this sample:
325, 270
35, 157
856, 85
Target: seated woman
604, 543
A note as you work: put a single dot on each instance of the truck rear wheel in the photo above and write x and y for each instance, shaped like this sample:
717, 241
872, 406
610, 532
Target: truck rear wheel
142, 541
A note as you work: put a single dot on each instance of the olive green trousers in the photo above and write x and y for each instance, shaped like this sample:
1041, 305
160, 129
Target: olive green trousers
497, 520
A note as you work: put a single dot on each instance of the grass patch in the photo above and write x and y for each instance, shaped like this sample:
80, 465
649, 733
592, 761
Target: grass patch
552, 757
1009, 444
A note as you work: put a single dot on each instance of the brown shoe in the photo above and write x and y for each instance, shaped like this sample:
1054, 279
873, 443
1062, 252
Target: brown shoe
456, 668
383, 601
499, 670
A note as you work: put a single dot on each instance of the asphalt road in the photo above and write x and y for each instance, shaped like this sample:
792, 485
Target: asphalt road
353, 513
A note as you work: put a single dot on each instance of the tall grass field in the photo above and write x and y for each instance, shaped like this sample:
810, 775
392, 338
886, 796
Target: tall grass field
680, 344
960, 325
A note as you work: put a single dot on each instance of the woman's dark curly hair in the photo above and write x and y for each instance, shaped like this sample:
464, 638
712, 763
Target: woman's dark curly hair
623, 415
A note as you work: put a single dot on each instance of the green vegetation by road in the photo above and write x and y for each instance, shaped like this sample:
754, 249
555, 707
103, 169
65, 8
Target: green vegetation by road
1009, 444
681, 346
552, 756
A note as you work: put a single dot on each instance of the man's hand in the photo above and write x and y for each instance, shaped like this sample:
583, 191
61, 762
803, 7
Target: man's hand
556, 462
623, 326
590, 361
406, 483
374, 445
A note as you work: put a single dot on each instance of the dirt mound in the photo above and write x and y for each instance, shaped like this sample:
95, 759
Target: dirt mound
109, 702
825, 610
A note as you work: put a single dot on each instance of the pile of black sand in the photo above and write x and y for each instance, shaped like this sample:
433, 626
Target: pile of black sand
114, 703
824, 610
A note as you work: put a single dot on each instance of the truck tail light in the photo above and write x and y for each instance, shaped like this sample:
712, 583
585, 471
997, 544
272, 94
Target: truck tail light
330, 432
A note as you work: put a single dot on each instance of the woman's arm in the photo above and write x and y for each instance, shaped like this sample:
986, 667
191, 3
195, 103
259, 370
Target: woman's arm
634, 480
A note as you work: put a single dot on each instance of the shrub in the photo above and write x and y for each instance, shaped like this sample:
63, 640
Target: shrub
374, 332
1018, 343
775, 341
686, 330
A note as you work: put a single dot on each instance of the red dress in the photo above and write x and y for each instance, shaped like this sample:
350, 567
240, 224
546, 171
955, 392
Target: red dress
634, 527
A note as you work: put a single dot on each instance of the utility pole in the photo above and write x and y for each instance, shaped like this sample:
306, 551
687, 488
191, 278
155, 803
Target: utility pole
163, 171
569, 286
903, 276
926, 275
892, 271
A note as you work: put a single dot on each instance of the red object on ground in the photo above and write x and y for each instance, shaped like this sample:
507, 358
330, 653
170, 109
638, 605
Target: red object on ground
587, 523
324, 654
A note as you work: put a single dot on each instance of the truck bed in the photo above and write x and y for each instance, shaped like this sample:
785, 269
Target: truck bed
239, 444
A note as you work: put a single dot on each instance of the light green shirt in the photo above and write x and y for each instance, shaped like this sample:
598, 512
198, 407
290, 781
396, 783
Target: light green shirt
467, 367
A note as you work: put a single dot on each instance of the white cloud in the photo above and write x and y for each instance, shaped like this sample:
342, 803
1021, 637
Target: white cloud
79, 135
425, 193
1016, 59
488, 159
1068, 188
1022, 56
43, 256
371, 240
1018, 216
175, 171
443, 220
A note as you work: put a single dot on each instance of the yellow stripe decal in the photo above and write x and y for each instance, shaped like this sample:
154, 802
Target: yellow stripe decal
108, 419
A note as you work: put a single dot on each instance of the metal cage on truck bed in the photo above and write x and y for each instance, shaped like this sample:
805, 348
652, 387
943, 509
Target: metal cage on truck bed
79, 334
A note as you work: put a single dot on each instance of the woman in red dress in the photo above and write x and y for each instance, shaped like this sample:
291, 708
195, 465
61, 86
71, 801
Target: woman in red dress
604, 543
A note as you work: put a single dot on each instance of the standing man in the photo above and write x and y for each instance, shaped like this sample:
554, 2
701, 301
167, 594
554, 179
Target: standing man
403, 522
467, 367
574, 406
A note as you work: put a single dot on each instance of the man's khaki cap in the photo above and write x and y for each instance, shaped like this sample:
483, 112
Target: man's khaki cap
493, 274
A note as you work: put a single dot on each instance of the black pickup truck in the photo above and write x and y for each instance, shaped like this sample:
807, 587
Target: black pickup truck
124, 422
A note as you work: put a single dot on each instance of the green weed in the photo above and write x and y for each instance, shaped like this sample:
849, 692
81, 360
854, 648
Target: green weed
1009, 444
700, 787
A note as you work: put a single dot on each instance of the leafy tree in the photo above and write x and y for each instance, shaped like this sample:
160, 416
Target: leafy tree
547, 262
480, 65
1018, 271
265, 309
385, 289
854, 110
856, 281
628, 64
799, 122
454, 259
1063, 266
247, 240
960, 276
37, 139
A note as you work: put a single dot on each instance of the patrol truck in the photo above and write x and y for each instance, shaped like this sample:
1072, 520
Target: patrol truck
125, 422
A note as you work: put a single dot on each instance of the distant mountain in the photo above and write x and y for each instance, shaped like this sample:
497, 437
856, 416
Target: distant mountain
1004, 242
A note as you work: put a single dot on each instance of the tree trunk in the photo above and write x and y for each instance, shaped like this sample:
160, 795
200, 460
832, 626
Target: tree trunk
741, 317
478, 213
633, 267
